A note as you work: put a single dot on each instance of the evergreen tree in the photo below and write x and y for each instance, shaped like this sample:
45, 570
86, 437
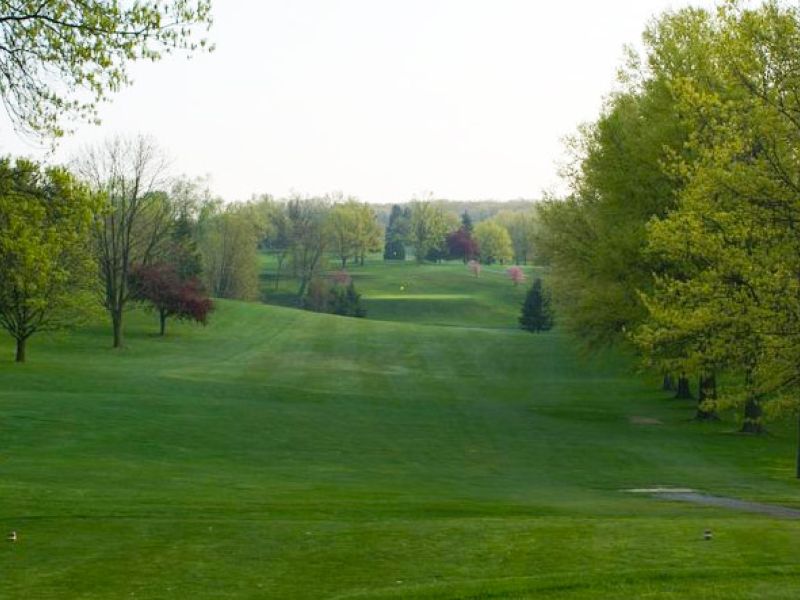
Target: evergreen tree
182, 250
396, 230
466, 223
342, 300
356, 309
536, 312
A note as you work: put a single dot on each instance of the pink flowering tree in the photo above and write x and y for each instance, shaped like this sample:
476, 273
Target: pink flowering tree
516, 274
475, 267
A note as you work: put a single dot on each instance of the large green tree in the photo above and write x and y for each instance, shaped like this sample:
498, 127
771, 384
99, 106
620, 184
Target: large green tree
523, 228
494, 243
596, 238
342, 226
46, 268
428, 228
353, 230
228, 238
60, 58
309, 238
734, 229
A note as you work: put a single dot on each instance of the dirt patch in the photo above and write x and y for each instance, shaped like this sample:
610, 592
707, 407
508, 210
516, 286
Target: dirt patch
773, 510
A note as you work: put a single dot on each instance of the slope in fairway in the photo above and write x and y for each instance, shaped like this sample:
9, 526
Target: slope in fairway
283, 454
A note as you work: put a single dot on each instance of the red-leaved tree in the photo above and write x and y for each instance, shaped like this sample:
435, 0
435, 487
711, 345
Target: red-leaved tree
161, 286
460, 244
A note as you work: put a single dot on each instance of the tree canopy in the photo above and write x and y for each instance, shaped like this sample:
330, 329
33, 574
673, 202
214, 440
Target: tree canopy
46, 268
60, 58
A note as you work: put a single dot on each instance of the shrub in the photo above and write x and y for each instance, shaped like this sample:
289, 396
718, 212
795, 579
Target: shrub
337, 296
516, 274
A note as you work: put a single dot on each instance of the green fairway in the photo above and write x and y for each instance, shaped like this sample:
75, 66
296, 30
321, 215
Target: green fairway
443, 294
432, 450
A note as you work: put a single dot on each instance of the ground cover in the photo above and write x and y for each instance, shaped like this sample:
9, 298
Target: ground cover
431, 450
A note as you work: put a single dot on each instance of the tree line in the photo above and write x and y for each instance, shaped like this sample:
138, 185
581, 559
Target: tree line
103, 233
436, 234
114, 230
680, 235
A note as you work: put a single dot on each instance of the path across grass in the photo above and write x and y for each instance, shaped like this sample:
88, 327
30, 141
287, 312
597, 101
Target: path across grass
284, 454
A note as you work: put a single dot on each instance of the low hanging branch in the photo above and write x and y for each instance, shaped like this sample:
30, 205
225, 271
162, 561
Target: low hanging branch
59, 59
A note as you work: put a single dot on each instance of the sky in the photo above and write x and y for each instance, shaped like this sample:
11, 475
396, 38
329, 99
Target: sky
380, 99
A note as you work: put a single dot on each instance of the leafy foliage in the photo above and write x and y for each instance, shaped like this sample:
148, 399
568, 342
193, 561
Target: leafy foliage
353, 230
523, 229
337, 296
516, 274
494, 242
428, 230
461, 245
228, 239
136, 222
161, 286
59, 59
46, 268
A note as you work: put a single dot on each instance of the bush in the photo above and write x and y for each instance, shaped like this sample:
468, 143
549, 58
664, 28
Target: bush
338, 297
346, 301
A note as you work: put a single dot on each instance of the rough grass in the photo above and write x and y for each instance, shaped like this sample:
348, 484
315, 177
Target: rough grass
283, 454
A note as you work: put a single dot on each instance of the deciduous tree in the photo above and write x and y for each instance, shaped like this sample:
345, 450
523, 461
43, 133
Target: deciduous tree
137, 219
161, 286
60, 58
228, 241
46, 267
494, 242
461, 245
310, 238
428, 229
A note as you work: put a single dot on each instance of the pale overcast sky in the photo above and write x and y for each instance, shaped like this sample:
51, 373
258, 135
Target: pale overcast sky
381, 99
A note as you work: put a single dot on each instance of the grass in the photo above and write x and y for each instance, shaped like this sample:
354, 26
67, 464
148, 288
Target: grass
429, 451
443, 294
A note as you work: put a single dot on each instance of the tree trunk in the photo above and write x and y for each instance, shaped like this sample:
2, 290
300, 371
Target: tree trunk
684, 392
278, 272
163, 318
301, 292
21, 346
669, 384
706, 390
116, 323
752, 416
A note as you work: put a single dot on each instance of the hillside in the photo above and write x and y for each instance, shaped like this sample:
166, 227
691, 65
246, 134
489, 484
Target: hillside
432, 450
